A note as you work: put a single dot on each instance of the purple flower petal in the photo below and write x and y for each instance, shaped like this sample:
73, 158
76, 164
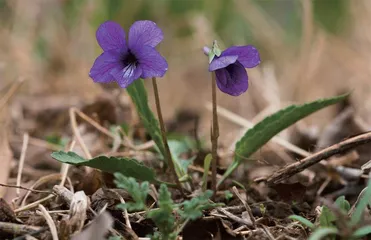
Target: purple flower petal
222, 62
104, 65
127, 74
248, 55
110, 35
206, 50
144, 33
233, 79
150, 61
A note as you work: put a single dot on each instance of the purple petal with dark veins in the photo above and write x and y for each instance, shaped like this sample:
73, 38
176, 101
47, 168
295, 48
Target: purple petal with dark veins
248, 55
110, 35
222, 62
151, 62
144, 33
233, 79
127, 74
104, 65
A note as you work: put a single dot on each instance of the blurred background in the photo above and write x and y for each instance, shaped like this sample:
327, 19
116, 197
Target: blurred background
309, 49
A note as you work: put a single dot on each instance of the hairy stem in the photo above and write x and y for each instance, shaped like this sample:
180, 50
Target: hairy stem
214, 135
168, 157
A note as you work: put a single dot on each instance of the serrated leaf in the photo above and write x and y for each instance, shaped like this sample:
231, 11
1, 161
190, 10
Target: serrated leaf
262, 132
192, 209
164, 197
127, 166
138, 192
320, 233
138, 94
163, 216
302, 220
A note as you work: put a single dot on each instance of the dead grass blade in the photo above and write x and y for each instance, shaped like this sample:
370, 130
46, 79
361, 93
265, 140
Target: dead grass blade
49, 221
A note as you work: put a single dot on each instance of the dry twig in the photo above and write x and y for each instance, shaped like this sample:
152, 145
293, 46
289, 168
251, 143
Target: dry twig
34, 204
234, 217
24, 188
248, 209
17, 229
297, 167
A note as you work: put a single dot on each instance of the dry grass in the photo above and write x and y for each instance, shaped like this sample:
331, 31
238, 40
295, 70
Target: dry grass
320, 65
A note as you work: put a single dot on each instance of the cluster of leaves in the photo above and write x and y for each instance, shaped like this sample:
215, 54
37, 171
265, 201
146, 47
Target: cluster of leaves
164, 216
253, 139
124, 168
340, 220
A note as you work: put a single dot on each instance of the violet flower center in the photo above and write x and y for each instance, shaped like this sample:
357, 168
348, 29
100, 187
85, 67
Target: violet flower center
130, 60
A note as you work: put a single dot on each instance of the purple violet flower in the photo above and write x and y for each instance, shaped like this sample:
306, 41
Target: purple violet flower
125, 62
229, 67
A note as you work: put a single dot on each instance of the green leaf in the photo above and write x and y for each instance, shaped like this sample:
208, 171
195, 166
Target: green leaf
362, 232
138, 94
57, 140
176, 149
215, 49
192, 209
228, 195
126, 166
207, 162
138, 192
358, 212
343, 204
163, 216
320, 233
114, 238
211, 56
327, 218
302, 220
262, 132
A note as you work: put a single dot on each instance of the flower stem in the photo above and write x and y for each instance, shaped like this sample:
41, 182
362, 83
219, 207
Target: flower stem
214, 135
163, 133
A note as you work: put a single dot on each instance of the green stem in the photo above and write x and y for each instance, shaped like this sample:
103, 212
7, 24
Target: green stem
182, 226
229, 171
164, 138
214, 135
